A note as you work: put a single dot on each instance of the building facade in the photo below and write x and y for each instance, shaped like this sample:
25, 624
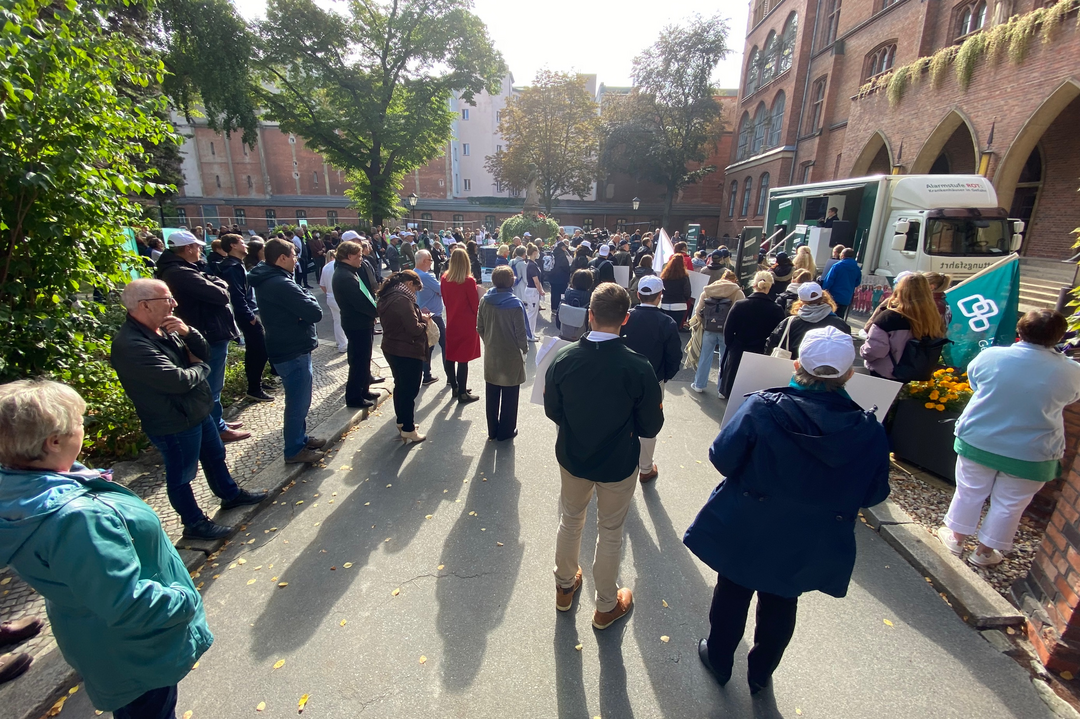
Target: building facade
821, 99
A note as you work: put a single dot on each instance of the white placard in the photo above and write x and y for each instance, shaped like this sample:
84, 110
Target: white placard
757, 372
544, 357
697, 283
622, 275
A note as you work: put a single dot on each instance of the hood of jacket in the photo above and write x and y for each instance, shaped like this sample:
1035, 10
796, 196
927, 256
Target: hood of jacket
262, 272
29, 497
502, 298
801, 415
642, 271
171, 260
722, 289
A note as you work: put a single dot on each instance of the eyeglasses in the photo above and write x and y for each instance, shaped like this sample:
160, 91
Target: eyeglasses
169, 299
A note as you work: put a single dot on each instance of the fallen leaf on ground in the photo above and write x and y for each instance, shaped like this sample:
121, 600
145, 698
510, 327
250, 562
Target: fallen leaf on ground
279, 664
423, 659
273, 579
345, 467
241, 560
283, 584
1010, 630
499, 544
429, 516
665, 639
343, 622
346, 565
1067, 676
233, 565
260, 707
396, 592
252, 581
440, 567
887, 622
303, 702
333, 494
300, 502
578, 647
385, 540
389, 486
195, 665
367, 504
664, 602
257, 568
57, 707
445, 491
483, 529
188, 714
798, 711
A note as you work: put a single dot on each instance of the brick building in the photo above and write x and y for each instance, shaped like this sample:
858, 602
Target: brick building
816, 105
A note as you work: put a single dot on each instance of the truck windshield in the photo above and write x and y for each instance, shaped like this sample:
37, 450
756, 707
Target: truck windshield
967, 237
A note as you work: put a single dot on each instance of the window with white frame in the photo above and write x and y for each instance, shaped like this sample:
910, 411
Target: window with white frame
465, 149
466, 185
464, 113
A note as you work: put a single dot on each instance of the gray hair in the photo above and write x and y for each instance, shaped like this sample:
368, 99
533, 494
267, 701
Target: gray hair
31, 411
141, 289
830, 384
423, 255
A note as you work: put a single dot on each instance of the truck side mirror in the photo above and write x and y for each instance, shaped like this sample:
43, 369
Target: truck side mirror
902, 227
1018, 225
899, 241
1017, 238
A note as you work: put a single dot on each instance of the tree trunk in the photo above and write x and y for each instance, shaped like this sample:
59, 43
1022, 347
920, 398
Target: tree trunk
669, 200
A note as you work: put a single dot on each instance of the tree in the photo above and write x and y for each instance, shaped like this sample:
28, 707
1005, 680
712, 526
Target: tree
671, 117
553, 125
70, 138
371, 90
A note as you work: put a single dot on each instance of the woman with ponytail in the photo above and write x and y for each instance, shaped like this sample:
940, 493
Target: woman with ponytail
748, 327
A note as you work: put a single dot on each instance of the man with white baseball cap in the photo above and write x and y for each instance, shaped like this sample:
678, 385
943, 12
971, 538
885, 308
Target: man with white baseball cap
800, 461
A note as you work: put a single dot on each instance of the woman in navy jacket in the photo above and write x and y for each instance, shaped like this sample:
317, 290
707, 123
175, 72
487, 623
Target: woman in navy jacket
798, 461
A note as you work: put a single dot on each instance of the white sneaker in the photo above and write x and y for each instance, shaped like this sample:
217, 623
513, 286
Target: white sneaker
949, 540
697, 389
986, 560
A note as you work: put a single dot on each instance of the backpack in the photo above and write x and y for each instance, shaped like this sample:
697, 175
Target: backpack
549, 263
574, 322
919, 359
714, 313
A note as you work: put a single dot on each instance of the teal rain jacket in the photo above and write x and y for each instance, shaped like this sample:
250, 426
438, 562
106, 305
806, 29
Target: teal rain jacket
123, 608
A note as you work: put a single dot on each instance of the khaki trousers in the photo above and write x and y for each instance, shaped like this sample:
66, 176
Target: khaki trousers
612, 503
648, 444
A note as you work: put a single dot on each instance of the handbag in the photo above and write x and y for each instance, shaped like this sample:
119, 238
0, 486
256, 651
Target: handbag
432, 333
780, 351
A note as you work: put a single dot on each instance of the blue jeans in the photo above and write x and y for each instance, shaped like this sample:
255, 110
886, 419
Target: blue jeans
296, 381
710, 341
154, 704
182, 453
219, 351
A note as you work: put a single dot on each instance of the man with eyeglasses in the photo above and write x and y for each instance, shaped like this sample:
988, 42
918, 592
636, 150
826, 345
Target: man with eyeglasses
162, 365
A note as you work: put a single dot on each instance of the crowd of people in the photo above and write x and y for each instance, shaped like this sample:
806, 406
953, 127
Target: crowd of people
798, 461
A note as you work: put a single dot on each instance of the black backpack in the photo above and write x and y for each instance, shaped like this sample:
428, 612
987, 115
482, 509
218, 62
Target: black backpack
919, 359
715, 313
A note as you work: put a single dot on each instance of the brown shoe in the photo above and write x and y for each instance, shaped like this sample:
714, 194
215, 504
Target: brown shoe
624, 600
313, 443
234, 425
233, 435
304, 456
13, 666
564, 598
19, 630
647, 477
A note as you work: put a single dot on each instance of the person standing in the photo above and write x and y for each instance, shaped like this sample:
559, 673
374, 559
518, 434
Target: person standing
405, 346
462, 300
202, 303
650, 332
160, 363
804, 260
644, 249
782, 273
475, 266
798, 462
290, 314
501, 324
393, 255
559, 279
122, 606
317, 251
429, 299
408, 252
326, 282
841, 281
814, 309
534, 289
747, 328
357, 308
676, 299
598, 447
1010, 437
910, 313
244, 308
707, 327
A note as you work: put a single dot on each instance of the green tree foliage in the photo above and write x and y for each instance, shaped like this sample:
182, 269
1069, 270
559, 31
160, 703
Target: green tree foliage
370, 90
671, 118
516, 226
71, 136
554, 125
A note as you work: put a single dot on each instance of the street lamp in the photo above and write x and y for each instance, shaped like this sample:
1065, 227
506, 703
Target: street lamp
412, 206
636, 202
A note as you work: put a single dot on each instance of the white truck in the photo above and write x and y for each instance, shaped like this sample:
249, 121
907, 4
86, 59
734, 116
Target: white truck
943, 223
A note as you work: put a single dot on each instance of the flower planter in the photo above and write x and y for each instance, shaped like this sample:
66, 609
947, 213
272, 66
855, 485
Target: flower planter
924, 437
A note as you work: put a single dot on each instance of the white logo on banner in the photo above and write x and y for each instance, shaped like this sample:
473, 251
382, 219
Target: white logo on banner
980, 310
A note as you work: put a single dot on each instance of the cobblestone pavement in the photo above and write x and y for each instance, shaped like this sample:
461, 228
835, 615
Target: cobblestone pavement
146, 475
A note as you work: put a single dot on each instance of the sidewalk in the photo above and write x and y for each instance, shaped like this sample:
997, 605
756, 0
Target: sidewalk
146, 475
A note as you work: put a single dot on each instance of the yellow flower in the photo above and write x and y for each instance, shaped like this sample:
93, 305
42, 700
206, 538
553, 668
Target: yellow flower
935, 394
950, 370
940, 407
929, 405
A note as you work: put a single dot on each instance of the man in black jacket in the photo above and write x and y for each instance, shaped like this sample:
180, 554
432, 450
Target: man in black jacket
161, 364
242, 297
203, 304
598, 446
622, 257
289, 314
645, 249
650, 332
357, 320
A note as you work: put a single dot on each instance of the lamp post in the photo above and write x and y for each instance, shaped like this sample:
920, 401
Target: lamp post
412, 206
636, 202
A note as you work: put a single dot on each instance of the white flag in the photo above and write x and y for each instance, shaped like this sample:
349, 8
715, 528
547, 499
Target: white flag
664, 251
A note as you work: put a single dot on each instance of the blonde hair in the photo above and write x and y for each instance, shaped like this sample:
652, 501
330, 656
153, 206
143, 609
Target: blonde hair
504, 250
530, 250
762, 282
31, 411
938, 282
729, 276
805, 261
460, 268
913, 299
825, 298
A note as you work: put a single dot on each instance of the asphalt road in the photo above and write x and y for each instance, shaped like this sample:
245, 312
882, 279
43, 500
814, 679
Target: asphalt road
419, 584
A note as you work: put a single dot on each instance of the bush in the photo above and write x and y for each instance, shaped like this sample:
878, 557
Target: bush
113, 430
516, 226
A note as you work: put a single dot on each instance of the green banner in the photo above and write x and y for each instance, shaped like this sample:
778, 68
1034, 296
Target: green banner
693, 234
984, 311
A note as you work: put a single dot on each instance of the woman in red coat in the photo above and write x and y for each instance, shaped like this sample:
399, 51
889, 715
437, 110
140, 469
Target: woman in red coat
462, 302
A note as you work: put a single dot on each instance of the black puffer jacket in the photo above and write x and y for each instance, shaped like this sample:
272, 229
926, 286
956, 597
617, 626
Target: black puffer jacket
202, 301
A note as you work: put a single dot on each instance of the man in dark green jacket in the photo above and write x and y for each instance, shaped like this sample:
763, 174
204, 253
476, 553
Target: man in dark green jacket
289, 314
357, 320
598, 446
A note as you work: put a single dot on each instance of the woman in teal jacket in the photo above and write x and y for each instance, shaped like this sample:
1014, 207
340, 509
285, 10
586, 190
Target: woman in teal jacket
123, 608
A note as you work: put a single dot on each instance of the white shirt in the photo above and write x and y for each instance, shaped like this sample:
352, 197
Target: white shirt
595, 336
326, 280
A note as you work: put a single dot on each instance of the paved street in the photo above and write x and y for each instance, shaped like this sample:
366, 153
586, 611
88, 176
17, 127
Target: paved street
390, 613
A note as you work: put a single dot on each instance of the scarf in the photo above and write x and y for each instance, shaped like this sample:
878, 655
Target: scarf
814, 313
504, 298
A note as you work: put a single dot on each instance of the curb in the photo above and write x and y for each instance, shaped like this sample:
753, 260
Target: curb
50, 677
970, 596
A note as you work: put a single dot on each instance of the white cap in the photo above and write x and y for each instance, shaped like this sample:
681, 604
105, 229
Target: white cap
180, 238
827, 347
586, 245
526, 234
350, 235
810, 291
901, 276
650, 285
604, 250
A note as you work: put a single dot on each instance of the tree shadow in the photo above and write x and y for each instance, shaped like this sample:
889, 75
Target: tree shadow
481, 558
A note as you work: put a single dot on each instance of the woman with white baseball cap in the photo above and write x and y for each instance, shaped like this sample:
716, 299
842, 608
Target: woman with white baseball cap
815, 308
798, 461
